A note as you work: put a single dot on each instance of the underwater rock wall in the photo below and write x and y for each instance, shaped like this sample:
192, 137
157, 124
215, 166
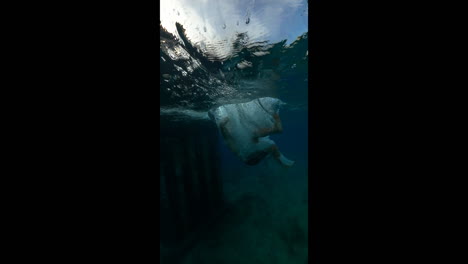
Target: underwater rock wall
191, 190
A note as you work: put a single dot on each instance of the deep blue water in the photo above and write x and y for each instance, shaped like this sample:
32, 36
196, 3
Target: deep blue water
271, 206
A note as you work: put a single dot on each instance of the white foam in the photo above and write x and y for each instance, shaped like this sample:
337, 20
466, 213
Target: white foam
181, 113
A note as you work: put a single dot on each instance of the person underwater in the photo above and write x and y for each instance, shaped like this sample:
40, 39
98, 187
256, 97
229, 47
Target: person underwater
245, 127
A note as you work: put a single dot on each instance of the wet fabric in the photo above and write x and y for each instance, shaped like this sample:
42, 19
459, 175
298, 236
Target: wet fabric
245, 128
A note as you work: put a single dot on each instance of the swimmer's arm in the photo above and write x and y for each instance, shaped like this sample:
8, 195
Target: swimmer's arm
278, 125
277, 128
279, 157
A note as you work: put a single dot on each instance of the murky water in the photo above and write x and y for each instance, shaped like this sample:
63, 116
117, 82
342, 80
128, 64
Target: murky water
223, 52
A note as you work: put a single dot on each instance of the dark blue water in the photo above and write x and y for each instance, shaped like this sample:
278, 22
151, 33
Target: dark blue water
267, 222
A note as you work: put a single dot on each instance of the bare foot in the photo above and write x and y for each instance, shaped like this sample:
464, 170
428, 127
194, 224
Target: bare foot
284, 161
279, 157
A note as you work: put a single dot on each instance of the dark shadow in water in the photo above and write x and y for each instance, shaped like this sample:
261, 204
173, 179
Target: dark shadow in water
191, 190
193, 211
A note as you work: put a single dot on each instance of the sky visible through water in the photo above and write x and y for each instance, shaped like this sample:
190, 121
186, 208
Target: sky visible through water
210, 22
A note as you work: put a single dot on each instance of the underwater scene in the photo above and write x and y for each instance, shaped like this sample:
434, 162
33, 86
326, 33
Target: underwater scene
234, 131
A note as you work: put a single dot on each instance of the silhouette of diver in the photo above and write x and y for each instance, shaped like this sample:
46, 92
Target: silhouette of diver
245, 128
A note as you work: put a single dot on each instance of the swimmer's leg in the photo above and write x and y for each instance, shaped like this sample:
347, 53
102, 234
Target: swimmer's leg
256, 157
279, 157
